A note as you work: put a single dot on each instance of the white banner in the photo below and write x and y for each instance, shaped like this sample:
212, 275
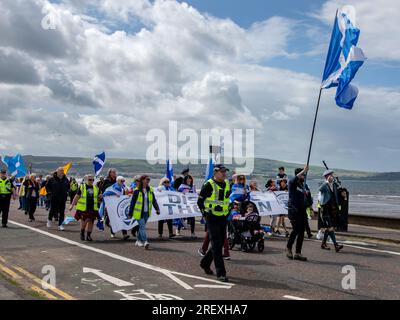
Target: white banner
175, 205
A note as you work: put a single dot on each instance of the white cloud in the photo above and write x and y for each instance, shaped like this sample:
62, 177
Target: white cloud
103, 90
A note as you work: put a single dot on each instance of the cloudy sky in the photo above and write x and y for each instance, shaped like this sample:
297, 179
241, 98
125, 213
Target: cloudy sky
111, 70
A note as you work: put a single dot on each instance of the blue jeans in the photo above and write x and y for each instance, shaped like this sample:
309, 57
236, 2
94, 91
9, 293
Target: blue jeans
142, 236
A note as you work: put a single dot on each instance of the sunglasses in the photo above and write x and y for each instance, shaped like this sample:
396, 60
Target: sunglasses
90, 179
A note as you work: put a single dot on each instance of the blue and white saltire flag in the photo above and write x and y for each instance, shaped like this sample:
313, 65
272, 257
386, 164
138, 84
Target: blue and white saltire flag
344, 58
15, 165
169, 172
114, 190
68, 220
98, 163
209, 170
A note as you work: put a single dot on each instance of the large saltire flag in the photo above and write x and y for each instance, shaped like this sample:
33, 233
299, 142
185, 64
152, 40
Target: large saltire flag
67, 167
169, 172
98, 163
344, 58
15, 165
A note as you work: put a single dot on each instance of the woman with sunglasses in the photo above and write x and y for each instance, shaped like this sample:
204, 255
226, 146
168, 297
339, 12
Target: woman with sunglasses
240, 191
87, 211
143, 200
165, 185
188, 187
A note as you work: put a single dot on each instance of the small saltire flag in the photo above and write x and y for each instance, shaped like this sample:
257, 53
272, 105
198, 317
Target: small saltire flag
67, 167
344, 58
169, 172
209, 170
15, 165
98, 163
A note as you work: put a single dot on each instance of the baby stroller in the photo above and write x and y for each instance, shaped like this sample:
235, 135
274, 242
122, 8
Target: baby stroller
246, 231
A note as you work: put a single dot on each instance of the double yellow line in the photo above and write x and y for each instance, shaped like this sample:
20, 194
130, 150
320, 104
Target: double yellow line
29, 281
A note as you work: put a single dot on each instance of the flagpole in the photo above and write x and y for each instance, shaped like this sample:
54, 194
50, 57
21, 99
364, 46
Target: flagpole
314, 125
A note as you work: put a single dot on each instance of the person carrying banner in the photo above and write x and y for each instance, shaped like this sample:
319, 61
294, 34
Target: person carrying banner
165, 185
297, 214
329, 201
188, 187
6, 192
214, 204
143, 200
87, 211
109, 181
57, 188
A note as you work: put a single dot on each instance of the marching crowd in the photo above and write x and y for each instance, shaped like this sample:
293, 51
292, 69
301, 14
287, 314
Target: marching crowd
219, 200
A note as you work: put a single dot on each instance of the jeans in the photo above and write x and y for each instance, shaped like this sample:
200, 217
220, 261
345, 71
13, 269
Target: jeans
142, 236
57, 209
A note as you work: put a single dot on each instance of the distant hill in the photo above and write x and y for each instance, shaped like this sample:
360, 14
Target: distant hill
264, 168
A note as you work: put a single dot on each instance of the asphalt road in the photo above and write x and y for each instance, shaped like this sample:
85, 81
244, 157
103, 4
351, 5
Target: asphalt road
113, 269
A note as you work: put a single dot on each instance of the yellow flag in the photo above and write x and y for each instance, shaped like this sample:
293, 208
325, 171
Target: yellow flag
67, 167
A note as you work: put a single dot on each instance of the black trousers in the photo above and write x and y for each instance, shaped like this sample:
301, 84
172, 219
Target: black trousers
299, 227
57, 210
216, 227
4, 208
32, 204
161, 226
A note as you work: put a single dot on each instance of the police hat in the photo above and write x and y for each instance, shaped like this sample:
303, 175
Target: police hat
219, 167
186, 170
328, 173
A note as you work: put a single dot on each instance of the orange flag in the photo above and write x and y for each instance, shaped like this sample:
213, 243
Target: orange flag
67, 167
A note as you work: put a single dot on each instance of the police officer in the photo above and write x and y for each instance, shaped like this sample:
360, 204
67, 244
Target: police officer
297, 214
6, 191
329, 201
214, 204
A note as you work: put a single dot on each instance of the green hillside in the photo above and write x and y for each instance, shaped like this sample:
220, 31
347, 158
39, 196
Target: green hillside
264, 168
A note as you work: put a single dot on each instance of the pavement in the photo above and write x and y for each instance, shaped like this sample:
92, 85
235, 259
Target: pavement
50, 264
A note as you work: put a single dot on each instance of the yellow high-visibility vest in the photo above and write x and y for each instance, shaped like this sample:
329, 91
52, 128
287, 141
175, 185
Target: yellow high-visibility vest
5, 186
212, 202
82, 202
137, 210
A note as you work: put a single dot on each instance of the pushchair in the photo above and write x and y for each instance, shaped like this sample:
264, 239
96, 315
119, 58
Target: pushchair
246, 231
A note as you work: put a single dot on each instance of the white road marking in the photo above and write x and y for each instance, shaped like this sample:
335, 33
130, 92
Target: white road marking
375, 250
294, 298
364, 248
171, 274
212, 286
111, 279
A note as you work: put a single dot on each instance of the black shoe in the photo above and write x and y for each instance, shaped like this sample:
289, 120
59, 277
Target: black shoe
299, 257
125, 238
89, 238
289, 254
4, 226
338, 247
310, 235
324, 246
207, 271
223, 279
82, 236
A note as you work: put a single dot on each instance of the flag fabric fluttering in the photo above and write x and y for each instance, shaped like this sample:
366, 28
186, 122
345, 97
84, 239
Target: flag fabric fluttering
169, 172
344, 58
67, 167
98, 163
15, 165
209, 170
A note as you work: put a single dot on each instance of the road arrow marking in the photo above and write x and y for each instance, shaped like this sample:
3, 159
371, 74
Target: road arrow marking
111, 279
